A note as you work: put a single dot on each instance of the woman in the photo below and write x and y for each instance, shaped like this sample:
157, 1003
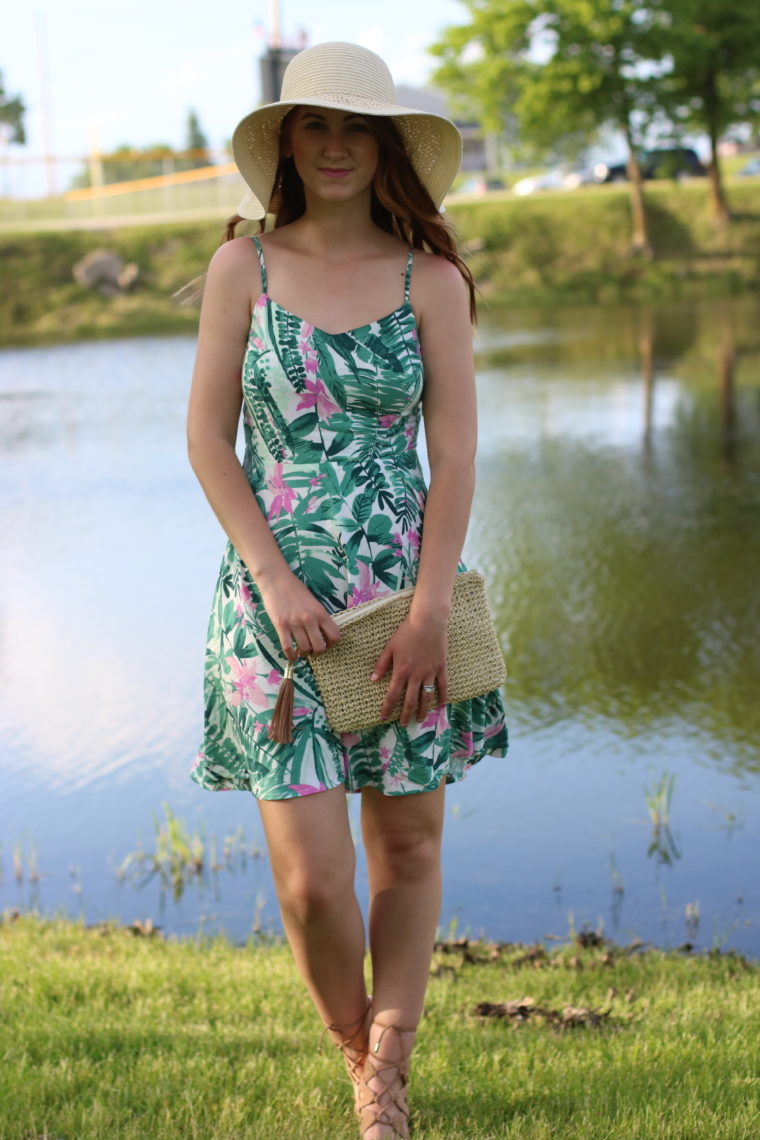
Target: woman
324, 512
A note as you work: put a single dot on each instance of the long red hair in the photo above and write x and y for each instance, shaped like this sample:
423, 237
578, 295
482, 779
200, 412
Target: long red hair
400, 203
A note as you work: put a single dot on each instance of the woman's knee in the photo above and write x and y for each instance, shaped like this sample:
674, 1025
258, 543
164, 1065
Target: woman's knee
406, 854
309, 893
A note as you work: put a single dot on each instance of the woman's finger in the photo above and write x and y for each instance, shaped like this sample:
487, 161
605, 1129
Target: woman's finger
382, 664
289, 647
302, 643
428, 694
317, 640
394, 694
441, 695
411, 703
330, 630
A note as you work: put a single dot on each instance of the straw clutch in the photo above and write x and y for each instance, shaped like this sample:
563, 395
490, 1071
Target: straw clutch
475, 661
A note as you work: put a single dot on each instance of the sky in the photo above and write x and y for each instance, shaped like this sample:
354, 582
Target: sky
129, 73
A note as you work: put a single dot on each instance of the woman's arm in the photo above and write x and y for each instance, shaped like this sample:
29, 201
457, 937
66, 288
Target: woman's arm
417, 651
212, 420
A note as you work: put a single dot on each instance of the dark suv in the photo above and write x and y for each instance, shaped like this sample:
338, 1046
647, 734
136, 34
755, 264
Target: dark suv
664, 162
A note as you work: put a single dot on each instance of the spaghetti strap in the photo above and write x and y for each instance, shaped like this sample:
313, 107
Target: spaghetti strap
263, 267
408, 278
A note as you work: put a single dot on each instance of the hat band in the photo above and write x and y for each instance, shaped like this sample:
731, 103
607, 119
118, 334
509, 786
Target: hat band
351, 102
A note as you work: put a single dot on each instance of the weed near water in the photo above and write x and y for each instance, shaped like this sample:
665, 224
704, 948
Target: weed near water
111, 1032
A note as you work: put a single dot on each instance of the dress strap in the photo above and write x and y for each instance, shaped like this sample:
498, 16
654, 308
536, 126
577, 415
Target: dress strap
263, 267
408, 278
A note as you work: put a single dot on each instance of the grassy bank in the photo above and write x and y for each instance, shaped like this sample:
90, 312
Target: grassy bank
111, 1034
564, 246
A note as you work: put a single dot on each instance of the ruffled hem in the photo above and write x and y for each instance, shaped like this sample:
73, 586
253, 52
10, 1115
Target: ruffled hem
396, 761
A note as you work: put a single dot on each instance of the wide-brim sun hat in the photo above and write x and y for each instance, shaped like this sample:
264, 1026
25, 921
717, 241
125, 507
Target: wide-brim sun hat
343, 77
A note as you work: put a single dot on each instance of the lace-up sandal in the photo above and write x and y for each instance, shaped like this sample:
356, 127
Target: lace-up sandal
353, 1056
383, 1108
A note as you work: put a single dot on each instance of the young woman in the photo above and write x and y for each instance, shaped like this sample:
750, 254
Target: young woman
333, 331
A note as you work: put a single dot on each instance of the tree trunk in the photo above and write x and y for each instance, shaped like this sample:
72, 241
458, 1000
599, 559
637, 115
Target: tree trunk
719, 209
640, 234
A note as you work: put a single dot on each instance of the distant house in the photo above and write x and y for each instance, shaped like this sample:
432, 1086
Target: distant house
428, 99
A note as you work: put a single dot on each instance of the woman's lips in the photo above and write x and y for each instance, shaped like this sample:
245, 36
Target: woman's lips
333, 172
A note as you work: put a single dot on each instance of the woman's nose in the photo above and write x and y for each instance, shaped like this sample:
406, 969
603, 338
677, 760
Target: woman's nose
335, 143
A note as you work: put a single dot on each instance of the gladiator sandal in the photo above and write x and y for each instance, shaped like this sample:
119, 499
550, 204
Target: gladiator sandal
383, 1109
353, 1057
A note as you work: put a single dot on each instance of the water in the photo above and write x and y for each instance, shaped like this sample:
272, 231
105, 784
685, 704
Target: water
616, 519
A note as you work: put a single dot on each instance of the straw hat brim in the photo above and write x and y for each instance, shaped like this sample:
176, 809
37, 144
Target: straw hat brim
432, 142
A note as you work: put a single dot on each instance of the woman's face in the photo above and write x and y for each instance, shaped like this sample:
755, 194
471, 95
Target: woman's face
335, 152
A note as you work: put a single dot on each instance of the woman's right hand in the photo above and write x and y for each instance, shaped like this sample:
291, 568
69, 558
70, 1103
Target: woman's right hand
302, 623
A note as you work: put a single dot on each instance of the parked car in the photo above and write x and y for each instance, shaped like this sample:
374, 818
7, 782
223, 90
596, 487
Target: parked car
558, 178
481, 184
662, 162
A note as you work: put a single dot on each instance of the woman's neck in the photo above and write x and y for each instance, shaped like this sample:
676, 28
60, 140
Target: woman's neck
336, 231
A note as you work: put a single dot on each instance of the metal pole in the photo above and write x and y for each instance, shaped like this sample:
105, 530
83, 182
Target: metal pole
274, 35
46, 103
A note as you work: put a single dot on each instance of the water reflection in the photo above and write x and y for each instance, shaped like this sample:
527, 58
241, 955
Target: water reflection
616, 518
622, 557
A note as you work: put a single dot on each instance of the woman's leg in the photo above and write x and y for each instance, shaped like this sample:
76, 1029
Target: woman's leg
402, 840
313, 860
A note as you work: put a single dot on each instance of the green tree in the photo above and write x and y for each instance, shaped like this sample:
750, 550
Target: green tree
12, 111
561, 68
196, 144
713, 49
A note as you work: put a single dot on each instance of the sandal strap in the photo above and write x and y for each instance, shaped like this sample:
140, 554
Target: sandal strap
353, 1057
336, 1028
387, 1105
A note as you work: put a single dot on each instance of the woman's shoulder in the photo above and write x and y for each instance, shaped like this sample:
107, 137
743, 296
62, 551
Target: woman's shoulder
238, 251
436, 279
233, 267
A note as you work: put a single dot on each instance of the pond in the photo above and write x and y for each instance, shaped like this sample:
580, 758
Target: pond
617, 521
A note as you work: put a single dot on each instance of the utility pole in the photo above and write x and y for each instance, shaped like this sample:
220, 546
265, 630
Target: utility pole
46, 103
275, 59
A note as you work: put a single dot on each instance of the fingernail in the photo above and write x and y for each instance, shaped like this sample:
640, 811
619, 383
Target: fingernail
373, 677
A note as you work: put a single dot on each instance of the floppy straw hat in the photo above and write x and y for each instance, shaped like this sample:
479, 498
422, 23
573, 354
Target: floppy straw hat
344, 77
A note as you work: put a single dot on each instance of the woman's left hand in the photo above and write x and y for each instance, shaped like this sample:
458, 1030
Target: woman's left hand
416, 656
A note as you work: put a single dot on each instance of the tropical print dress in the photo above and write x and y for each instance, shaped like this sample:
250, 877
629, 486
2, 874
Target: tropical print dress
331, 423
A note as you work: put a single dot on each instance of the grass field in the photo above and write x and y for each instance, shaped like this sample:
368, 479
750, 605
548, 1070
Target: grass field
571, 246
110, 1034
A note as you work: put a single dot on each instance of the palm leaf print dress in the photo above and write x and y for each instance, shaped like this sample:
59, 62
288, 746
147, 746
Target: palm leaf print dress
331, 423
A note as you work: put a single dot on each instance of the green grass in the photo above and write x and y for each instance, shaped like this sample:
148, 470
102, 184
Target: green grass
571, 246
576, 245
108, 1034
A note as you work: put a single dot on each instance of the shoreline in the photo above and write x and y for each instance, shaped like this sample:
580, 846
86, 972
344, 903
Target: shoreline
561, 249
109, 1032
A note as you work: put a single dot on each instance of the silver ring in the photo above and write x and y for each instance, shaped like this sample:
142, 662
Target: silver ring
428, 688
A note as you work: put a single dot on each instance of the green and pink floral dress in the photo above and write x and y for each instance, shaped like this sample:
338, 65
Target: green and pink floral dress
331, 423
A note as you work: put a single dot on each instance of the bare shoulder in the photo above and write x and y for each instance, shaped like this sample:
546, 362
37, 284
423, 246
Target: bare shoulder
436, 279
439, 292
233, 274
233, 257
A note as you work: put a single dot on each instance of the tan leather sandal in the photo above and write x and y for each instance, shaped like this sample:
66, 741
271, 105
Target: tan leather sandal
383, 1109
353, 1057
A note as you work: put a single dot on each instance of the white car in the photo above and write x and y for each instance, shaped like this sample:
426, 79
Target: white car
557, 179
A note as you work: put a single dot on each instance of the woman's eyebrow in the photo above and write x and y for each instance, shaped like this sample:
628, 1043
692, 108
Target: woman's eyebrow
317, 115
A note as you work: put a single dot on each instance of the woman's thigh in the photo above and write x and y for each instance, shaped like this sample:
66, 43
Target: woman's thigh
403, 833
309, 841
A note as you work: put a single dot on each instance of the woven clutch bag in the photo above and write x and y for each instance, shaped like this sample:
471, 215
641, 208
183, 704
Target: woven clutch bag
475, 661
